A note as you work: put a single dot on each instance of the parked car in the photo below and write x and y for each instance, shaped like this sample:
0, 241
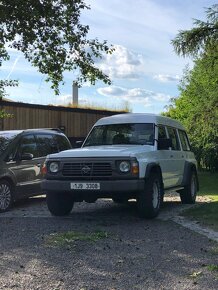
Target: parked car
22, 154
128, 156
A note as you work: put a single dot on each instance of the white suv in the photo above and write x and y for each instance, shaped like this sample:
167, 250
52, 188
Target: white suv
127, 156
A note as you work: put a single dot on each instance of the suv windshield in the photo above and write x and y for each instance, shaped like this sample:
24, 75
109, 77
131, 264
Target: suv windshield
140, 134
6, 138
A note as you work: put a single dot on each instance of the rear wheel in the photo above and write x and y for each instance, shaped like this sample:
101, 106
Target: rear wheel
59, 203
188, 194
6, 195
149, 201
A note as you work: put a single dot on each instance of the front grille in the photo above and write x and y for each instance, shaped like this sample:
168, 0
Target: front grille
91, 169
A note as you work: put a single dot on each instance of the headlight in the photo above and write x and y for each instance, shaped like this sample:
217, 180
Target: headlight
124, 166
54, 167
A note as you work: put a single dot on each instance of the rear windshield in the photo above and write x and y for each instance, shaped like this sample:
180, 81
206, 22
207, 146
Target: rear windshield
6, 138
115, 134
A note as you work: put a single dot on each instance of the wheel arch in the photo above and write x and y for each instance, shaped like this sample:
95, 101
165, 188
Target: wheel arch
154, 168
189, 167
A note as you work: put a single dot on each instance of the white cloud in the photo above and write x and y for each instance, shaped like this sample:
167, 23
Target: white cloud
133, 96
122, 64
166, 78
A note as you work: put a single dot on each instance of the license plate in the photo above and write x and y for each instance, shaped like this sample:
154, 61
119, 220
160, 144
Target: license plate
85, 186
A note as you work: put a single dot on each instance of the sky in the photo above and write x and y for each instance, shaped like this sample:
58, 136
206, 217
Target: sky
144, 69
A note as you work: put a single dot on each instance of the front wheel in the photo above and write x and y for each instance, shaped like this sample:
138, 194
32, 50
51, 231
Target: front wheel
188, 194
59, 203
6, 195
149, 201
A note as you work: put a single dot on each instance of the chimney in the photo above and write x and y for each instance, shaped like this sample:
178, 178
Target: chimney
75, 94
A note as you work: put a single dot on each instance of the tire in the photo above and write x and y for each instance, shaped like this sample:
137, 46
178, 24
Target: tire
59, 203
6, 195
149, 201
188, 194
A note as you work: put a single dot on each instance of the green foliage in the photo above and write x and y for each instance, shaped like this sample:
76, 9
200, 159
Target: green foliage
201, 38
197, 109
51, 37
6, 83
3, 84
4, 115
197, 106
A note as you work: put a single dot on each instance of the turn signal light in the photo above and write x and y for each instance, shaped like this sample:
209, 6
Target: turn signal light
135, 168
44, 169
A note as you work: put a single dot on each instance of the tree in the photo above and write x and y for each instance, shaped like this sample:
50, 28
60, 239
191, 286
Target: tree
51, 37
200, 39
197, 109
197, 105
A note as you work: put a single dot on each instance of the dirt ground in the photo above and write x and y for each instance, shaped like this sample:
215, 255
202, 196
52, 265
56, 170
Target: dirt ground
132, 253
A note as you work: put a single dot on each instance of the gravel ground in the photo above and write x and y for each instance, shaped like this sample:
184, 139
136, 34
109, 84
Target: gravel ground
135, 254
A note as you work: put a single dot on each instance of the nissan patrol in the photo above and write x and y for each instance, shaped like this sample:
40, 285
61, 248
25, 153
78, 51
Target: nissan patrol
126, 156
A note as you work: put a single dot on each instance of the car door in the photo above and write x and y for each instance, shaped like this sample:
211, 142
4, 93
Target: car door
46, 144
26, 172
164, 159
177, 158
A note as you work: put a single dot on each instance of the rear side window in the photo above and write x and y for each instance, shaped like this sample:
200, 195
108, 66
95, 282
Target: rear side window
184, 140
173, 135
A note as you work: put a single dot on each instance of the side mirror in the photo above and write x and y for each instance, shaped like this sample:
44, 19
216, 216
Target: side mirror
78, 144
26, 156
164, 144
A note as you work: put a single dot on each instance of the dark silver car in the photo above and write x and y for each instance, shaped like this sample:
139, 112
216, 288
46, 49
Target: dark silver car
22, 154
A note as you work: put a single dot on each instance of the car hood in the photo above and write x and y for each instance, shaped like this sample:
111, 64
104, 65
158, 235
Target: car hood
104, 151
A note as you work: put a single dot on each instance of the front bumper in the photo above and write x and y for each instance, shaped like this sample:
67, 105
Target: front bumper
107, 187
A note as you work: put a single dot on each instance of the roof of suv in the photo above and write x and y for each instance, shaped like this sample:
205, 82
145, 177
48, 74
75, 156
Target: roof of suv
139, 118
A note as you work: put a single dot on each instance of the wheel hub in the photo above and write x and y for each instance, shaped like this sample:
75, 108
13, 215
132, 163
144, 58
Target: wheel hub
5, 196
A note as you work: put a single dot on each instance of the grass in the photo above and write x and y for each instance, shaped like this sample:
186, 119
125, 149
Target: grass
213, 268
207, 214
67, 238
123, 107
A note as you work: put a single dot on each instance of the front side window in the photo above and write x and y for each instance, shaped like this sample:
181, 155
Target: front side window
161, 132
5, 139
28, 145
161, 135
115, 134
173, 135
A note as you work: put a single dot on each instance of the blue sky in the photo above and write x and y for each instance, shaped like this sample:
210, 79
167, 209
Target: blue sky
144, 69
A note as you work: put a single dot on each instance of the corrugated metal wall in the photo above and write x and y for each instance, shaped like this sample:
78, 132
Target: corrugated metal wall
77, 122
